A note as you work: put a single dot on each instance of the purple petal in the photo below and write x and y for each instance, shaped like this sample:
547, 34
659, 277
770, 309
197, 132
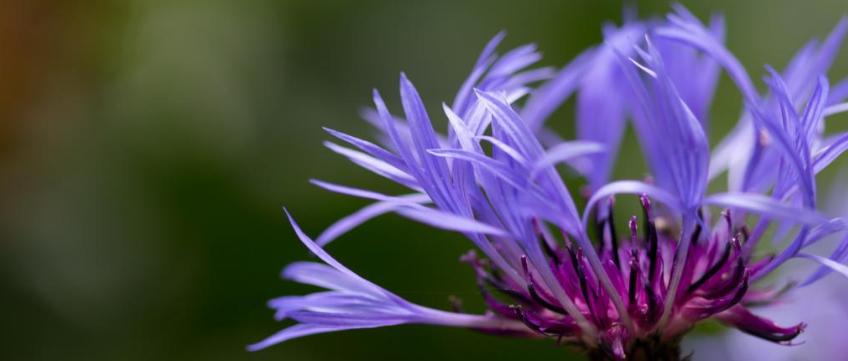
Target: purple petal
373, 164
506, 148
827, 262
687, 29
318, 251
424, 137
361, 193
370, 148
450, 222
486, 57
529, 146
495, 167
765, 206
296, 331
672, 139
694, 75
551, 95
834, 148
837, 108
751, 324
601, 101
568, 152
365, 214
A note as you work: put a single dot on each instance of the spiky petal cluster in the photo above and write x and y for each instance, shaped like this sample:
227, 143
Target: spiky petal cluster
550, 270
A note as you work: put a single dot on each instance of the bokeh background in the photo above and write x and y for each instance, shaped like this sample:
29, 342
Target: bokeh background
146, 148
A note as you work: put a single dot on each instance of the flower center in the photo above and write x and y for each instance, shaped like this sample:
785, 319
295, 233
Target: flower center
714, 278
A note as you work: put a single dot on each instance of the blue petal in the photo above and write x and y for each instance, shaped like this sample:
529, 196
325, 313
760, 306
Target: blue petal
296, 331
486, 58
500, 169
601, 101
833, 265
825, 156
684, 27
837, 256
569, 152
424, 137
379, 167
365, 214
550, 96
324, 276
361, 193
672, 138
766, 207
450, 222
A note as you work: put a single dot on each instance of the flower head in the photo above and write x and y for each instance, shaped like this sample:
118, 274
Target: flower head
550, 270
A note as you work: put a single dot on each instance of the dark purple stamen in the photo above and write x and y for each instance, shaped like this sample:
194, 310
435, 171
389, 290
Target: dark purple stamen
696, 235
633, 230
634, 274
712, 271
613, 234
531, 289
548, 244
730, 283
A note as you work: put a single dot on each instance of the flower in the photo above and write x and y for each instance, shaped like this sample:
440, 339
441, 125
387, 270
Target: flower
551, 271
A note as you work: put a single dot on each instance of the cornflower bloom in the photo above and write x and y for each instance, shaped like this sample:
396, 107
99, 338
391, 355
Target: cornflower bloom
549, 270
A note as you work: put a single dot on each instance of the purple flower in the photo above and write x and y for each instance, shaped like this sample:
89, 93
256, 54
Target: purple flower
550, 270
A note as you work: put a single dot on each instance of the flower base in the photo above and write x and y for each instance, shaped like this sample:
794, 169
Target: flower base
645, 350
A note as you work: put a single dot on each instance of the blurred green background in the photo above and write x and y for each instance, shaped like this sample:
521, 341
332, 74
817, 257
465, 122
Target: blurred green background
146, 148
